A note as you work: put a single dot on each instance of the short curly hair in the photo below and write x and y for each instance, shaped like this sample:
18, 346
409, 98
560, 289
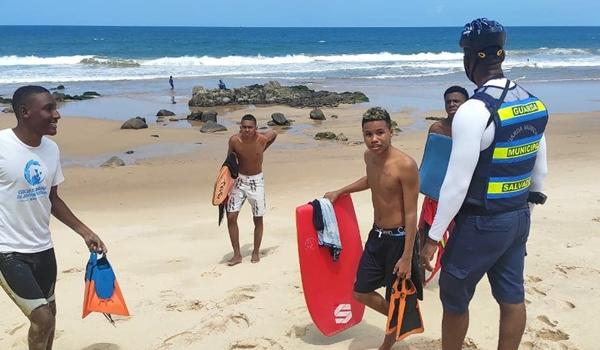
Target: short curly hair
375, 114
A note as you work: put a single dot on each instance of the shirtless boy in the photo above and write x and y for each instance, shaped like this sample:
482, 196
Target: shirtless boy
393, 179
249, 145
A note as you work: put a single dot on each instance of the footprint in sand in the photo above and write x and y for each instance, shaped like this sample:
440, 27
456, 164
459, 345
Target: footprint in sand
223, 323
189, 305
211, 274
423, 344
215, 324
532, 279
546, 320
14, 330
534, 290
72, 270
583, 270
569, 304
240, 295
256, 344
552, 334
297, 331
596, 219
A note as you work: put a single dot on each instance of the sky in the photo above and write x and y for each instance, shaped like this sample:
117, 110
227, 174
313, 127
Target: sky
301, 13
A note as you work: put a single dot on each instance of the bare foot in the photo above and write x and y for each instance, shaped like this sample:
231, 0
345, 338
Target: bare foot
255, 258
234, 260
388, 341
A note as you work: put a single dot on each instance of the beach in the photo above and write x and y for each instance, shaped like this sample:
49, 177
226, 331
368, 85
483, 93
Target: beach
155, 213
169, 254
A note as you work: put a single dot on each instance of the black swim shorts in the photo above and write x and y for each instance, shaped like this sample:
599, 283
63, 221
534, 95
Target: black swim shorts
29, 278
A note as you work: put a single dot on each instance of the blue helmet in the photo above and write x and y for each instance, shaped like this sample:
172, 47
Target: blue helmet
482, 33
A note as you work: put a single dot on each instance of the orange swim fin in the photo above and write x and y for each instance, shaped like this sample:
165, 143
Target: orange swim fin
404, 314
102, 292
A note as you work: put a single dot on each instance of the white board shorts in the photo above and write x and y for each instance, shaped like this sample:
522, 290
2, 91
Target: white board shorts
251, 188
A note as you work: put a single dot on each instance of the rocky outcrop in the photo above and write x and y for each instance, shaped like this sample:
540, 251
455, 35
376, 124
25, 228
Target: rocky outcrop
279, 119
325, 135
164, 113
5, 100
113, 162
395, 128
209, 116
341, 137
317, 114
8, 110
435, 118
135, 123
273, 93
195, 115
211, 126
62, 97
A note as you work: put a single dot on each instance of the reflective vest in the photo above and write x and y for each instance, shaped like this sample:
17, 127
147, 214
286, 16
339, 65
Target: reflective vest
502, 177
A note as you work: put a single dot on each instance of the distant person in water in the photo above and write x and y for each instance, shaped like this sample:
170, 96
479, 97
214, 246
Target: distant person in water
171, 82
222, 85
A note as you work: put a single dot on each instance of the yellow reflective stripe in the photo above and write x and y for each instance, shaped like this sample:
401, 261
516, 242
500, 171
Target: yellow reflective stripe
510, 112
507, 187
516, 151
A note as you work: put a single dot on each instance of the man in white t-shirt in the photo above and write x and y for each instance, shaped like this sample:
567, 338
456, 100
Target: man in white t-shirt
30, 173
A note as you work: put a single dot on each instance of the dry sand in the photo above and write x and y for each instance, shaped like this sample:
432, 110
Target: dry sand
169, 254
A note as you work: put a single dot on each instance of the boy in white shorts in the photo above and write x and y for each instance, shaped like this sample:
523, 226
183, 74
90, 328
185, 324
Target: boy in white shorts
249, 145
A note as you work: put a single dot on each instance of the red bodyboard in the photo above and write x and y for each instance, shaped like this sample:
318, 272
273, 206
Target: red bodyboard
328, 285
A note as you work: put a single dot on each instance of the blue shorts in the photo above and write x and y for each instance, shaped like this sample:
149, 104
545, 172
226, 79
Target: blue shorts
493, 244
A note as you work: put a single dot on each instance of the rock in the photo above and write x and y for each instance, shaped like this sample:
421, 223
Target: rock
8, 110
195, 116
135, 123
280, 119
129, 152
272, 93
210, 116
58, 96
62, 97
5, 100
334, 116
154, 136
263, 128
326, 135
395, 127
60, 87
211, 126
356, 143
341, 137
271, 123
173, 119
164, 113
113, 162
160, 119
317, 114
435, 118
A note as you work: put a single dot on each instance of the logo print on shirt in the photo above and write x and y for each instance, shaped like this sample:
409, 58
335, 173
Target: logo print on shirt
33, 173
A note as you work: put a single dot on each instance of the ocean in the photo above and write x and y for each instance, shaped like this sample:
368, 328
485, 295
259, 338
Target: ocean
137, 60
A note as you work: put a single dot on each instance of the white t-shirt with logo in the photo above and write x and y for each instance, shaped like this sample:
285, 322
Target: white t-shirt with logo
26, 176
